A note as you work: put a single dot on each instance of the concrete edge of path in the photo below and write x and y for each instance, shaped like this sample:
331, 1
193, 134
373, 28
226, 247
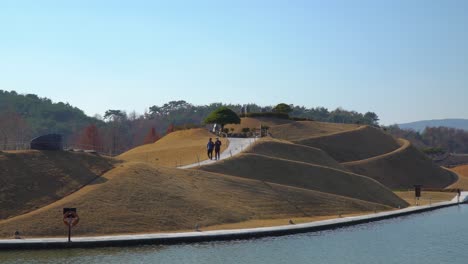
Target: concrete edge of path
217, 235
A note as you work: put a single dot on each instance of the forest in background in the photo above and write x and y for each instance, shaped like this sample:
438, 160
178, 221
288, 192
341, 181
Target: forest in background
25, 116
434, 140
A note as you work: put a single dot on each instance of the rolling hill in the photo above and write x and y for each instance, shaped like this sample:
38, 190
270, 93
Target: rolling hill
403, 168
299, 130
139, 197
286, 150
32, 179
175, 149
305, 170
357, 144
307, 176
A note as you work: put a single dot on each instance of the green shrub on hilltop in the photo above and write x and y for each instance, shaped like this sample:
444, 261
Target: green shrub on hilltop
222, 116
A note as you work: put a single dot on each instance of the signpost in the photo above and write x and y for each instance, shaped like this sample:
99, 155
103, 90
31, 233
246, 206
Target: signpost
417, 193
70, 219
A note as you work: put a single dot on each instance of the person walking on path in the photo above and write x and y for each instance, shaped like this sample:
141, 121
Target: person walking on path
210, 147
217, 149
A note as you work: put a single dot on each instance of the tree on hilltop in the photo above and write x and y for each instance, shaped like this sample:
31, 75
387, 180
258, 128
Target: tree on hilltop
282, 108
371, 118
222, 116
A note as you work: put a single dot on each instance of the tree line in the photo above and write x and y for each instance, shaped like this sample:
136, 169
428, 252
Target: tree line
434, 139
25, 116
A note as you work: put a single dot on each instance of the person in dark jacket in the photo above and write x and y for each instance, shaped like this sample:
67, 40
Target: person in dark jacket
209, 148
217, 148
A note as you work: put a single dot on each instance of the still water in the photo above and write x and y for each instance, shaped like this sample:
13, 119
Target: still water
439, 236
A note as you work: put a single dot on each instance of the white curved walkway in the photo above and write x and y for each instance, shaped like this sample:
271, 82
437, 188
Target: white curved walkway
236, 146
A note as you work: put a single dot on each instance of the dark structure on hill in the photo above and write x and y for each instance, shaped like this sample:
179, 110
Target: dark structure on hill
47, 142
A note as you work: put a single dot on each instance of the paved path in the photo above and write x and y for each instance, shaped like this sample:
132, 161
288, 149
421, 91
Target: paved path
217, 235
236, 146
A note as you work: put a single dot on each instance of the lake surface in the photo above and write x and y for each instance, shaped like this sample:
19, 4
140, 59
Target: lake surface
440, 236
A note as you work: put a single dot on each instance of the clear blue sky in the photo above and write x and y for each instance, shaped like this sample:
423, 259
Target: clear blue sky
405, 60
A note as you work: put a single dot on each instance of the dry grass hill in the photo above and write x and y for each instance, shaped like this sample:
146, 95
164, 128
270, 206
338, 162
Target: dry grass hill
176, 149
403, 168
308, 170
296, 131
307, 176
357, 144
140, 197
32, 179
286, 150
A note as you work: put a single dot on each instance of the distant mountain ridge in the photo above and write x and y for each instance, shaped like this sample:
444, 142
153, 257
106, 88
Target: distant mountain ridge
421, 125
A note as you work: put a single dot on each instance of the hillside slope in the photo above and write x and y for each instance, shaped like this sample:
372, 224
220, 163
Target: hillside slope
286, 150
175, 149
403, 168
139, 198
32, 179
362, 143
299, 130
307, 176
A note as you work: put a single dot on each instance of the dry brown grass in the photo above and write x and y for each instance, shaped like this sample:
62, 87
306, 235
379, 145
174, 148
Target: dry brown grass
403, 169
139, 198
362, 143
32, 179
299, 130
287, 150
404, 144
175, 149
307, 176
462, 182
426, 197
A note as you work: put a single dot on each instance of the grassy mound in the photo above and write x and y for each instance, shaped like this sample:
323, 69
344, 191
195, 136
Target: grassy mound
32, 179
362, 143
175, 149
299, 130
287, 150
307, 176
139, 197
403, 168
